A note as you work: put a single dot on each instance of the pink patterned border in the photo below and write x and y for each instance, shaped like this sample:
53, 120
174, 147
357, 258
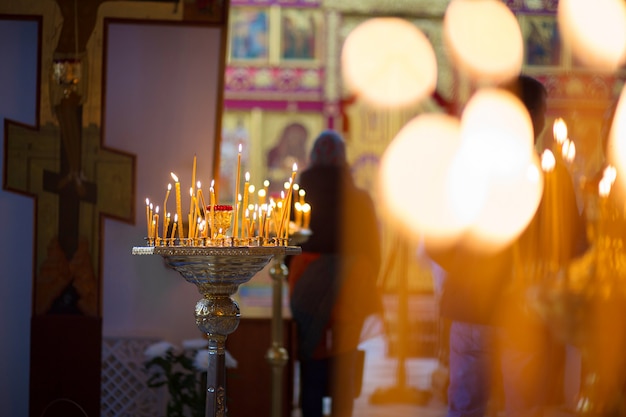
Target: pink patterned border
274, 81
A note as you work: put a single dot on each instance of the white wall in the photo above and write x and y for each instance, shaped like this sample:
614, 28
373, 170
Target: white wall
18, 101
161, 97
161, 103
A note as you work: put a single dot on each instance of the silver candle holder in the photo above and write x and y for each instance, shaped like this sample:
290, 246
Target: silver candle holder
217, 272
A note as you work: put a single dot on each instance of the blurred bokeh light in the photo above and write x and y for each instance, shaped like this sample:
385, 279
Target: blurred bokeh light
389, 62
595, 31
414, 178
484, 40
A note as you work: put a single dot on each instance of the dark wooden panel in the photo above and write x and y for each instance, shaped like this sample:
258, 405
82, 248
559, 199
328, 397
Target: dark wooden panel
249, 386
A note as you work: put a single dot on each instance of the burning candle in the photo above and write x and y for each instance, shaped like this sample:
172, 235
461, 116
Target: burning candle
148, 222
156, 225
193, 173
201, 203
212, 222
287, 207
298, 209
559, 131
179, 211
266, 186
167, 194
150, 230
262, 194
551, 221
235, 224
301, 194
173, 235
306, 213
245, 202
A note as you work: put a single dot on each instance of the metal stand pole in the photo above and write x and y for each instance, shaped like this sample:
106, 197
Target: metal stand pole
277, 355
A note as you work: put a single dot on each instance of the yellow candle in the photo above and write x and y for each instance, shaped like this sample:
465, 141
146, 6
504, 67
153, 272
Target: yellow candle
156, 225
192, 213
150, 231
306, 210
193, 173
212, 223
266, 185
167, 194
148, 222
550, 206
179, 211
202, 204
166, 224
301, 194
262, 194
173, 235
235, 224
244, 223
287, 208
244, 206
298, 209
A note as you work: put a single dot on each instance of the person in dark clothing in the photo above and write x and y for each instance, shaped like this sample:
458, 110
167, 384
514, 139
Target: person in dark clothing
494, 333
332, 283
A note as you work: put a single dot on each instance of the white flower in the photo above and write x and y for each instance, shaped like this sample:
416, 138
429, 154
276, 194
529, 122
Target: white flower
195, 344
231, 362
201, 360
158, 350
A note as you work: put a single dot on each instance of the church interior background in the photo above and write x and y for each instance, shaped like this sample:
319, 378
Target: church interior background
281, 85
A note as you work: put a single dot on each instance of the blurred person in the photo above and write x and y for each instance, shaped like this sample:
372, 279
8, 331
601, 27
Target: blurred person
332, 283
496, 341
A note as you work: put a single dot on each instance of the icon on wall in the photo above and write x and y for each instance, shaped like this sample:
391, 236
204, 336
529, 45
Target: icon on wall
249, 33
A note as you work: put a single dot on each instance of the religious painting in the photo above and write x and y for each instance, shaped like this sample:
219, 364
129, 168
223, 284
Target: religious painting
300, 38
542, 41
249, 34
271, 143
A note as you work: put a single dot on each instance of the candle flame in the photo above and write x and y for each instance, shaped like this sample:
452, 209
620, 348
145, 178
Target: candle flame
610, 173
191, 191
175, 217
198, 185
174, 177
547, 160
262, 192
156, 210
247, 176
212, 183
604, 187
568, 150
302, 193
251, 188
240, 148
169, 187
266, 183
559, 129
306, 207
147, 201
150, 206
295, 167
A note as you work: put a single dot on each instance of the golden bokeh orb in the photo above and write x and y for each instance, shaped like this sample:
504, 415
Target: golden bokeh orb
484, 40
389, 62
595, 32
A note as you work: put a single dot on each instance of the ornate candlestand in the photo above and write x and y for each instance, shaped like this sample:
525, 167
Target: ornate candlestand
277, 355
217, 272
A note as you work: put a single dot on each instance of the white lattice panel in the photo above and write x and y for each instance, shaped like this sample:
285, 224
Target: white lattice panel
124, 389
